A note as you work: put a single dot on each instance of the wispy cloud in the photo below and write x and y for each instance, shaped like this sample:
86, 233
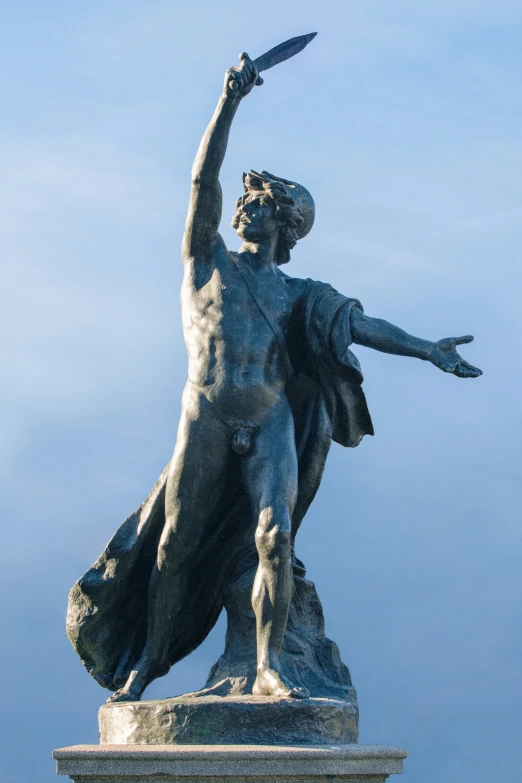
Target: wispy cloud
79, 220
43, 178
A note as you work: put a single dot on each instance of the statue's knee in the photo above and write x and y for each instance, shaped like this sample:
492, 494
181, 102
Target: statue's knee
273, 533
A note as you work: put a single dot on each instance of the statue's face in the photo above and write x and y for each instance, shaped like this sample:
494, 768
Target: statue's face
257, 219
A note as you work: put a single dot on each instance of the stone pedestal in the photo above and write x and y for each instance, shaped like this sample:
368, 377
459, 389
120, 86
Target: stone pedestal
239, 720
238, 739
229, 763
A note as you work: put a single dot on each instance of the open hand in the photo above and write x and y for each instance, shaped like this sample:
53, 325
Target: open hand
444, 356
240, 79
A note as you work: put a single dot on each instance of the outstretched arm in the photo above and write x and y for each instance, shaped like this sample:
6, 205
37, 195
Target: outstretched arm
204, 214
383, 336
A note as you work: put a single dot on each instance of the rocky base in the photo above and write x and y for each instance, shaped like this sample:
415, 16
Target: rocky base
230, 764
211, 720
308, 658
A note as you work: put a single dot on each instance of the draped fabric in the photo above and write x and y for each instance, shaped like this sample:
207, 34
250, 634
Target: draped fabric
108, 606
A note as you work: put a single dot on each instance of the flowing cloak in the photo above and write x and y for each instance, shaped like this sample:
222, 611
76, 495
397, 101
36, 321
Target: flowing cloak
107, 612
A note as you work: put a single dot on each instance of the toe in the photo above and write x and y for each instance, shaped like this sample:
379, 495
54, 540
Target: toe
121, 695
299, 693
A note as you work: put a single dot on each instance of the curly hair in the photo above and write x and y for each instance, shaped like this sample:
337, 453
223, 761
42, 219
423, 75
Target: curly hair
288, 214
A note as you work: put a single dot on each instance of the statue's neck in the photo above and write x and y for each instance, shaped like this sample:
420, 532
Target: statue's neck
259, 255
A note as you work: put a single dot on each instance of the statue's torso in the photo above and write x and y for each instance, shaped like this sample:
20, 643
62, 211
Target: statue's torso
234, 355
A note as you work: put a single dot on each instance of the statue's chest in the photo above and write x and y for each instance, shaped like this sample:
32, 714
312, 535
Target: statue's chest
258, 290
232, 294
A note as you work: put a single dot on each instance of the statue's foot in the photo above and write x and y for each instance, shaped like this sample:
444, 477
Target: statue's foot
132, 689
271, 683
124, 694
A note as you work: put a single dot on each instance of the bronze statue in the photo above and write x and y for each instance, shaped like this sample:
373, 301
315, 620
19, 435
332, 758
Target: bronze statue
271, 382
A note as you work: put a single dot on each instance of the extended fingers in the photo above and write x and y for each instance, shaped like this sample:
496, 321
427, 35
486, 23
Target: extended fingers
465, 370
469, 366
474, 372
449, 343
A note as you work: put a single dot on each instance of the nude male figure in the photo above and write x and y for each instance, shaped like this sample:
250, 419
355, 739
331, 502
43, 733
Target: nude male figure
235, 400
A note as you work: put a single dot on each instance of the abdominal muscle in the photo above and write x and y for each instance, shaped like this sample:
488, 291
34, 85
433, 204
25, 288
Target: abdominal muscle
236, 364
234, 357
239, 385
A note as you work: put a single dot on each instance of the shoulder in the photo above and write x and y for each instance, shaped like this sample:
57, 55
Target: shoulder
331, 297
315, 292
200, 268
295, 286
217, 251
309, 286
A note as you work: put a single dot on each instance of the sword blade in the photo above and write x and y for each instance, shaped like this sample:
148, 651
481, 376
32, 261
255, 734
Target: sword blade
283, 52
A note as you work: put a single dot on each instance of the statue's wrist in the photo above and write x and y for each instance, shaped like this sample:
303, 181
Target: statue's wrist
428, 351
230, 97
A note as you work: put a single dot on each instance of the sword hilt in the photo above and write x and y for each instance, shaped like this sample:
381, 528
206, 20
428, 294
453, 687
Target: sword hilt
233, 84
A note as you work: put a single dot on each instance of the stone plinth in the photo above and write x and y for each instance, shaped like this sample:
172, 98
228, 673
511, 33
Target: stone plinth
229, 763
240, 720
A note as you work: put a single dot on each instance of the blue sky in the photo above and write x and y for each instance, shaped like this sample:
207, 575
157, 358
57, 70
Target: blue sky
403, 119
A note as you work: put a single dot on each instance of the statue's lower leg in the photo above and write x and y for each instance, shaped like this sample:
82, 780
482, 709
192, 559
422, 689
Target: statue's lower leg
163, 587
271, 598
136, 683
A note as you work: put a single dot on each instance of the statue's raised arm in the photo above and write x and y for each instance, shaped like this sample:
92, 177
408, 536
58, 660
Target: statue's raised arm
204, 213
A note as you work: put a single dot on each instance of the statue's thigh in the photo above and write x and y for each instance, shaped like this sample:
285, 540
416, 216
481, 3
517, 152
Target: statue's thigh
197, 472
270, 470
